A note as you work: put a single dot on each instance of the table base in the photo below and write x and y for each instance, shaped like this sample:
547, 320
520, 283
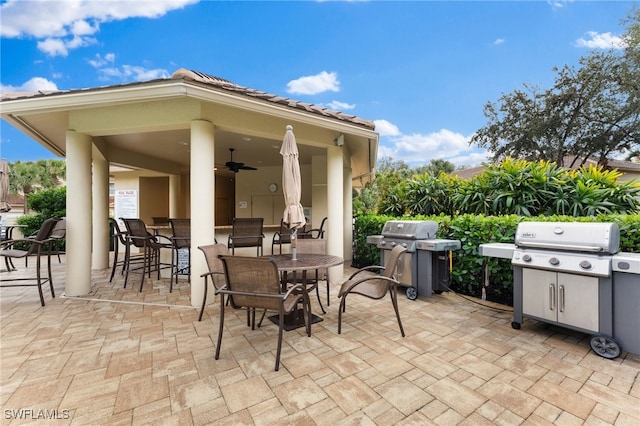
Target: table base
294, 320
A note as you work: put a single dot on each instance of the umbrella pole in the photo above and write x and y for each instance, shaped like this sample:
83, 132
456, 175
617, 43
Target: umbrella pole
294, 245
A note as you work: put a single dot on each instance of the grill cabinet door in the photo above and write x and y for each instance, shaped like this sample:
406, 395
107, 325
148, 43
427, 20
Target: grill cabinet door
539, 297
578, 301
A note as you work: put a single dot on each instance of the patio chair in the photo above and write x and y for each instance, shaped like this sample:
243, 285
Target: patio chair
312, 247
38, 245
181, 240
374, 286
216, 270
58, 235
246, 232
253, 283
314, 233
281, 236
139, 237
159, 220
117, 237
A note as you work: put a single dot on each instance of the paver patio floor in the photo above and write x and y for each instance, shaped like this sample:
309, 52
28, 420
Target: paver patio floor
118, 356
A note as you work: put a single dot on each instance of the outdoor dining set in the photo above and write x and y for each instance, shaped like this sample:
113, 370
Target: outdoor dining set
279, 283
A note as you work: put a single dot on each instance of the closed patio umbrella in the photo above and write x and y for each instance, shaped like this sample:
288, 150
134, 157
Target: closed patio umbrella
4, 186
292, 187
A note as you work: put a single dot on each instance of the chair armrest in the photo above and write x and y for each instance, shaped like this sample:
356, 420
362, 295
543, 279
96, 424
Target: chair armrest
390, 281
211, 274
179, 239
224, 290
371, 268
296, 288
9, 243
159, 236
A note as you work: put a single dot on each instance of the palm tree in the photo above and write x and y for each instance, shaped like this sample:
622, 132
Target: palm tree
27, 177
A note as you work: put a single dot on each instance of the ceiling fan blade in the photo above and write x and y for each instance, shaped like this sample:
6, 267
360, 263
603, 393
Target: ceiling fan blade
235, 167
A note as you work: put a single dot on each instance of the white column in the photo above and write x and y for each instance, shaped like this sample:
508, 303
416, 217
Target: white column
202, 203
174, 195
335, 204
78, 266
100, 209
347, 218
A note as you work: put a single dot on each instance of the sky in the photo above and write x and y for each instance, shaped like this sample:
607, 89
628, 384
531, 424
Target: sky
422, 70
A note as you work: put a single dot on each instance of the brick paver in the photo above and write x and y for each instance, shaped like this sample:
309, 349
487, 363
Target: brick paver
98, 360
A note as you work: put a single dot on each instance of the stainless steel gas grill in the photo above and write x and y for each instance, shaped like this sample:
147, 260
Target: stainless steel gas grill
414, 235
563, 275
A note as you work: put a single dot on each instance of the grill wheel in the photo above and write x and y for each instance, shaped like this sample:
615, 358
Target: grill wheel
605, 346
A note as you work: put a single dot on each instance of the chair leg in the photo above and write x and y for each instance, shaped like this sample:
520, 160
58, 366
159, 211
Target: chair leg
280, 328
221, 327
53, 293
174, 268
204, 299
340, 311
394, 299
308, 316
318, 293
115, 264
328, 298
39, 279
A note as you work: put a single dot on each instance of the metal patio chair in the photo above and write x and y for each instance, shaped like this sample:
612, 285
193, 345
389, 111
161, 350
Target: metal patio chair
212, 255
38, 245
150, 245
246, 232
281, 236
374, 286
181, 240
254, 283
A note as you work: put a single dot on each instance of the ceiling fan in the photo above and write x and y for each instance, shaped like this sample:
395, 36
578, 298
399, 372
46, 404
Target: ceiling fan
236, 167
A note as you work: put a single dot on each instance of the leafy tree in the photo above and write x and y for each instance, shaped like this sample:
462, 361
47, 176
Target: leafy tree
28, 177
437, 166
591, 111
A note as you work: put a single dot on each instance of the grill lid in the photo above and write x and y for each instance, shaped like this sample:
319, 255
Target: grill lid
569, 236
410, 229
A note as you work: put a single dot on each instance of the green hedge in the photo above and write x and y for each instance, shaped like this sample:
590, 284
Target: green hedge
472, 230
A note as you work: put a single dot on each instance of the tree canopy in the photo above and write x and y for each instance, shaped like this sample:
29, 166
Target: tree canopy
592, 110
28, 177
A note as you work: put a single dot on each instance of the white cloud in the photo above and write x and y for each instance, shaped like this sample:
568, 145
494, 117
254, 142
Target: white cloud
418, 149
595, 40
53, 47
340, 106
34, 84
386, 128
314, 84
101, 61
498, 41
62, 25
558, 4
132, 73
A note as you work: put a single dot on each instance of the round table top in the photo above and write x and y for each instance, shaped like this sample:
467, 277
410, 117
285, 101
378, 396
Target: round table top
305, 261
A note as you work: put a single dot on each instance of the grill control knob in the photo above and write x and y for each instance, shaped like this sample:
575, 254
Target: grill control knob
526, 258
554, 261
585, 264
404, 245
393, 243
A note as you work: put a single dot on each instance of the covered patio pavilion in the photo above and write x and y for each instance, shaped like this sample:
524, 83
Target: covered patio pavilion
182, 127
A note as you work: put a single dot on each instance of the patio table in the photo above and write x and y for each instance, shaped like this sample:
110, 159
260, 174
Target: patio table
304, 262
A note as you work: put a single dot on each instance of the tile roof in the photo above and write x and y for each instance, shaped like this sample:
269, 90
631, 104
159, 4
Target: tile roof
220, 83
